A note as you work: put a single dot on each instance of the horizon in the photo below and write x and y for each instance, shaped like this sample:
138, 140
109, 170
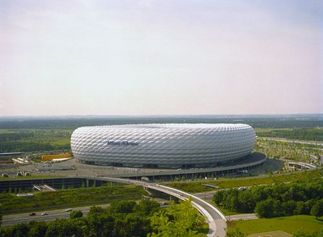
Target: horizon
161, 58
165, 115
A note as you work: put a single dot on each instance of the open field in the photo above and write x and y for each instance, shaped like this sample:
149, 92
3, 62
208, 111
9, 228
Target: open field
199, 186
27, 140
10, 203
291, 225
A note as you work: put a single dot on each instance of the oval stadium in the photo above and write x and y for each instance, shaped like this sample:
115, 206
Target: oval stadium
163, 145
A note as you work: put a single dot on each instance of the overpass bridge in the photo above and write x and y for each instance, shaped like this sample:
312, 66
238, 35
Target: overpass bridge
216, 220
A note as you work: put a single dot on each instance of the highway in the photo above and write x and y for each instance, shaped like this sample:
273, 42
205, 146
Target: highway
50, 215
216, 220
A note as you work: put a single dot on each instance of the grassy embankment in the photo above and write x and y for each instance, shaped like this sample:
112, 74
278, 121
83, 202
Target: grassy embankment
199, 186
10, 203
290, 224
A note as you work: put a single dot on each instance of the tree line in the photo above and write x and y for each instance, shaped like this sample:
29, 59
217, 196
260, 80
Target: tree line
275, 200
120, 219
314, 134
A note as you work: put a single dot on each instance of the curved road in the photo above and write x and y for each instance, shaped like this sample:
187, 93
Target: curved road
216, 220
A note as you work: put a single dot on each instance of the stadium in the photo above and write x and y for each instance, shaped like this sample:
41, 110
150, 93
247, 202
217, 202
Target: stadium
163, 145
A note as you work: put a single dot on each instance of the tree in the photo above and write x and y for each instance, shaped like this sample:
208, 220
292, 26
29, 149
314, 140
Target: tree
288, 207
96, 210
133, 225
177, 221
76, 214
265, 208
246, 201
37, 229
300, 208
235, 233
123, 206
218, 197
317, 209
20, 230
147, 207
102, 224
63, 228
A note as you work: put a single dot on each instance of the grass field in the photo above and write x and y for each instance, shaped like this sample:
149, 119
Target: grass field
277, 233
10, 203
199, 186
27, 140
290, 224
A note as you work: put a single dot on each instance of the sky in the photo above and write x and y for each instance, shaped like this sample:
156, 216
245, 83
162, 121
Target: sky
160, 57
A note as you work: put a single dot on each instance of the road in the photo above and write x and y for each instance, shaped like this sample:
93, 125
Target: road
216, 220
51, 215
207, 196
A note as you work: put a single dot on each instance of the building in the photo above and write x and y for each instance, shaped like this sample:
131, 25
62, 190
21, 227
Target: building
163, 145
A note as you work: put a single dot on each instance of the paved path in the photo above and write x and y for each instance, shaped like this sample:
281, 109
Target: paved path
245, 216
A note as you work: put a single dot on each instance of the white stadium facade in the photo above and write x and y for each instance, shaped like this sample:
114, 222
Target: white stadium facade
163, 145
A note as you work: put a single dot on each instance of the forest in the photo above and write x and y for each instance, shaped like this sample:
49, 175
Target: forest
301, 198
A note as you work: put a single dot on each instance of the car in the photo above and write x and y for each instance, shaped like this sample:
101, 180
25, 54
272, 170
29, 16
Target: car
44, 214
68, 209
242, 188
32, 214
